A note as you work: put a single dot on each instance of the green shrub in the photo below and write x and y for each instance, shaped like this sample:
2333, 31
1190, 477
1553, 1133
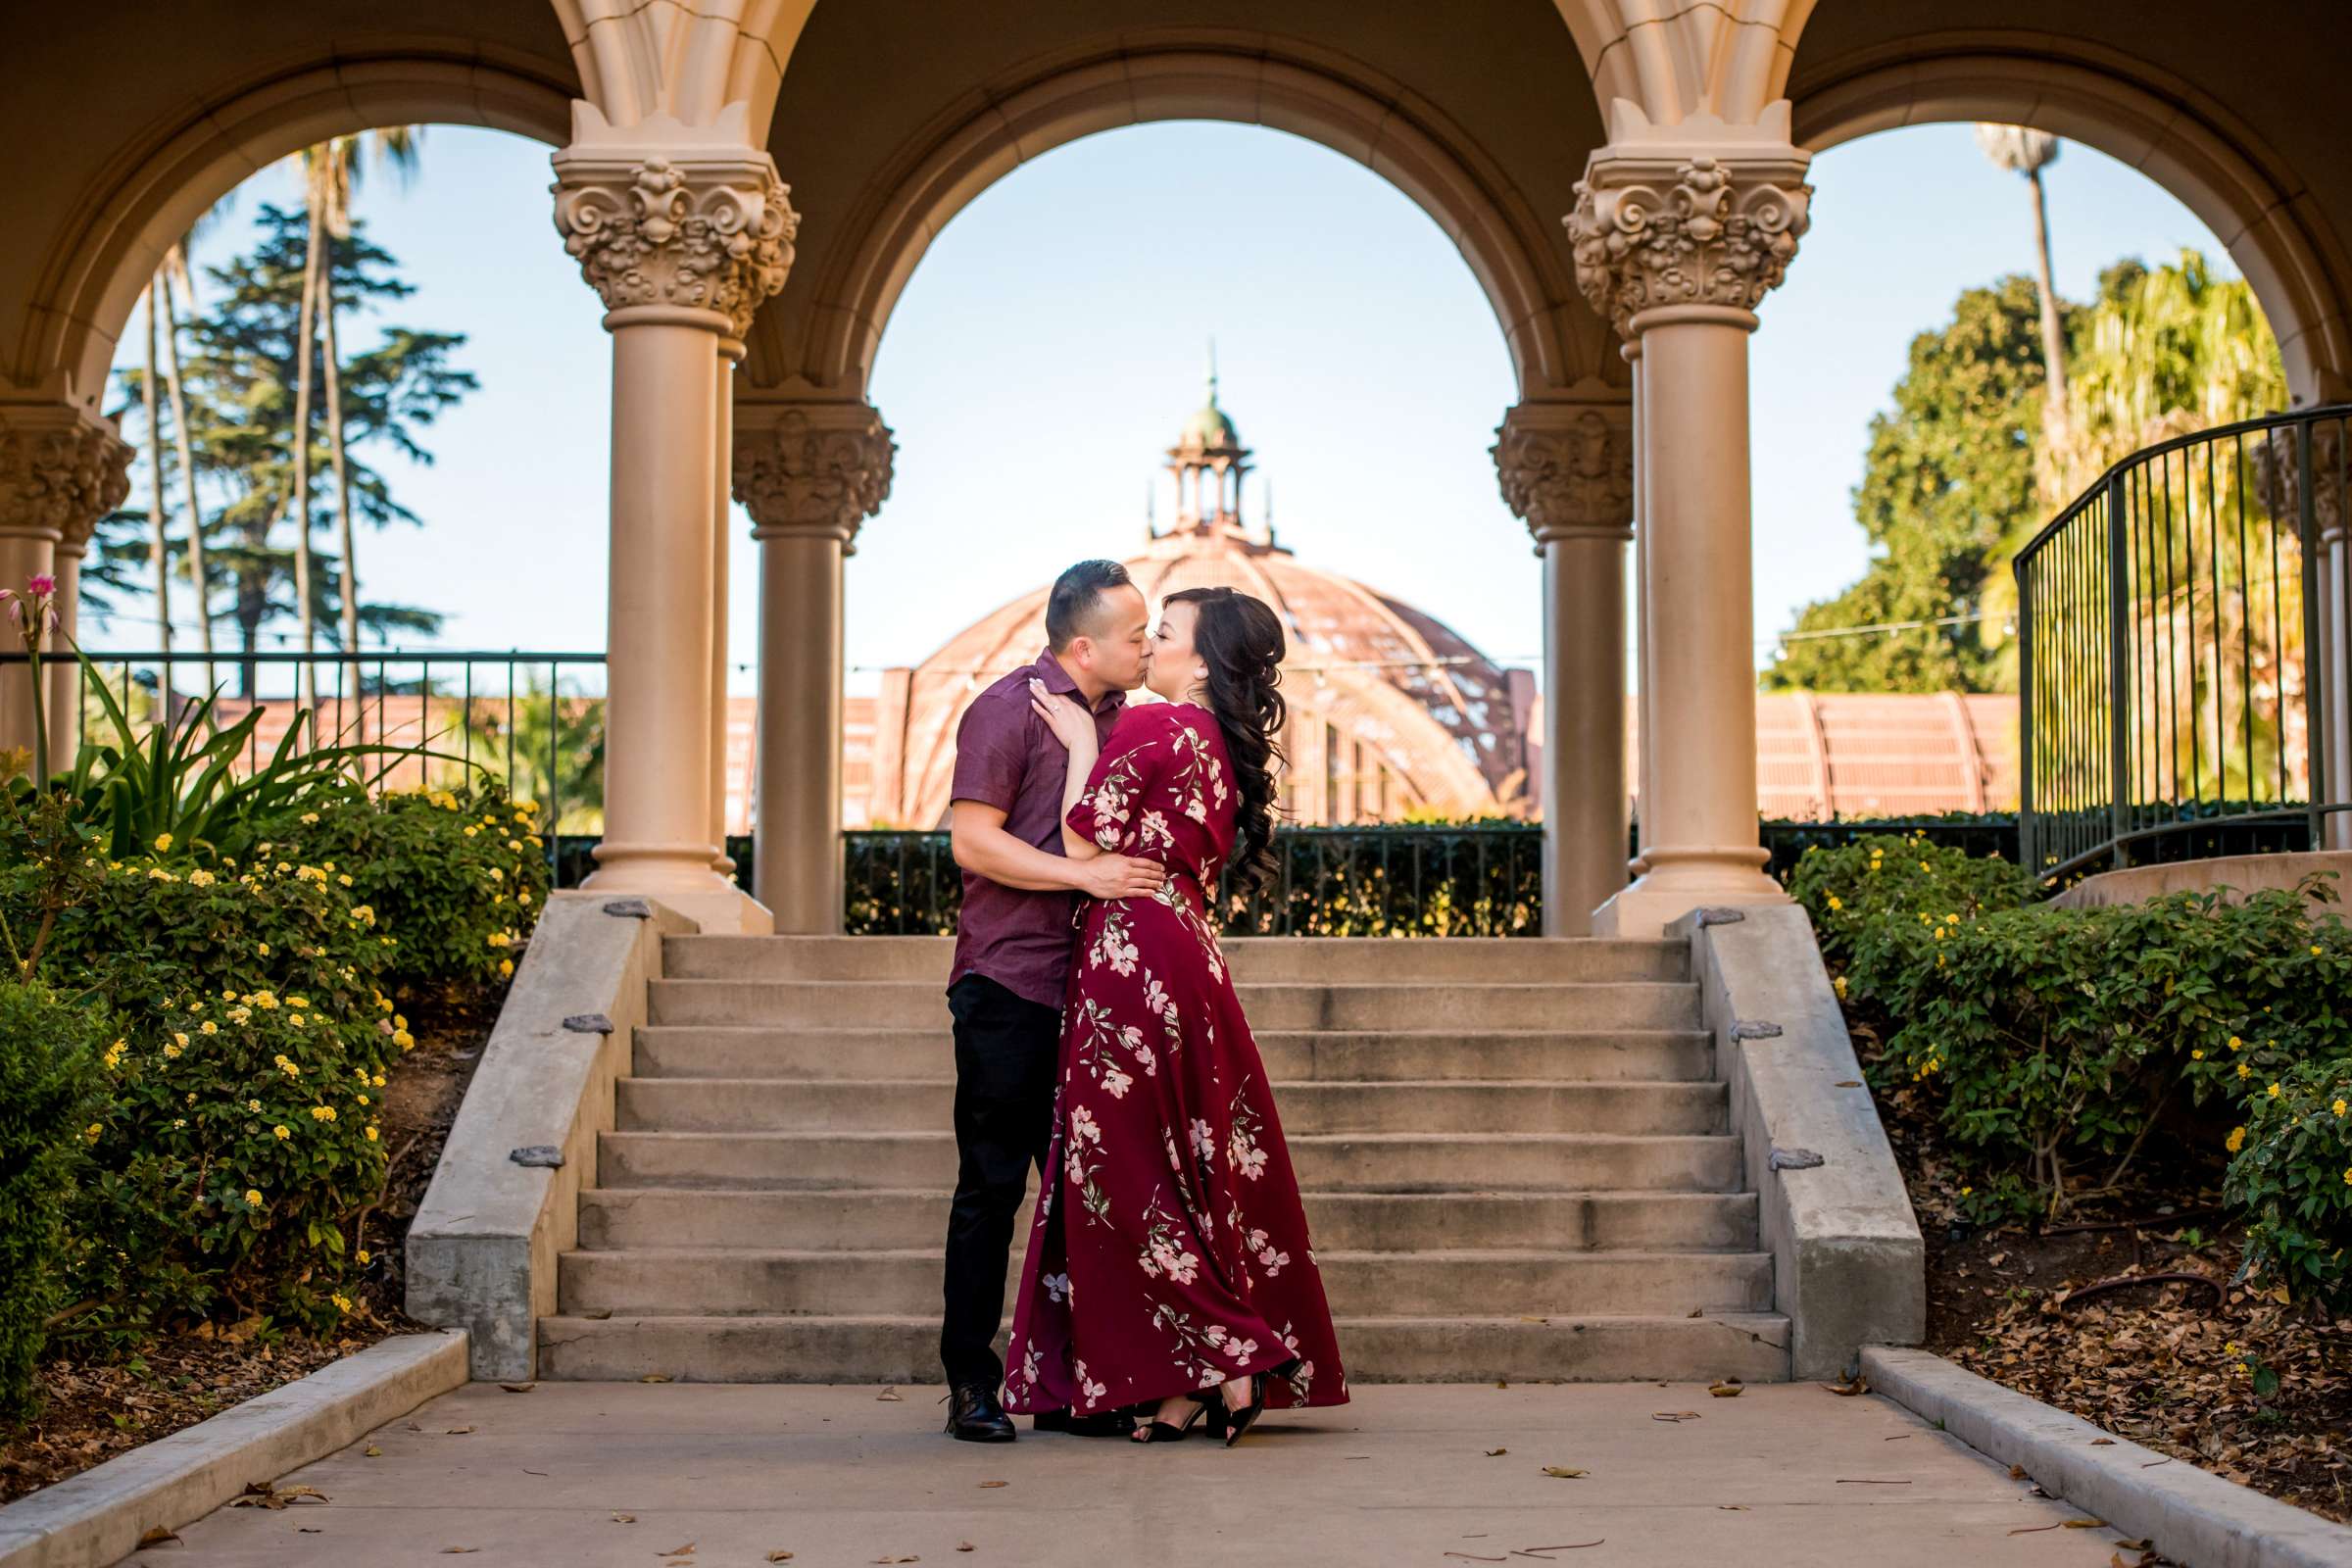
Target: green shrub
2291, 1172
1869, 898
457, 878
2054, 1042
239, 1137
46, 1094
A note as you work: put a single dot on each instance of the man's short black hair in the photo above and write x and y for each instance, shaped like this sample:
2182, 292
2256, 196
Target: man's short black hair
1077, 595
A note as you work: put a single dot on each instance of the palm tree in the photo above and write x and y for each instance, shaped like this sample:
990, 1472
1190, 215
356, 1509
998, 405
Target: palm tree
174, 271
2029, 152
330, 171
159, 548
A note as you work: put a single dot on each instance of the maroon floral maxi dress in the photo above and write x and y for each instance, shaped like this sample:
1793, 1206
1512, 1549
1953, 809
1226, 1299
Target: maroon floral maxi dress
1169, 1251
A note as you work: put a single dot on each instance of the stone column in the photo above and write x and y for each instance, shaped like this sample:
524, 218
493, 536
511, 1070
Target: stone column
62, 467
1567, 473
1646, 728
809, 472
683, 231
1679, 235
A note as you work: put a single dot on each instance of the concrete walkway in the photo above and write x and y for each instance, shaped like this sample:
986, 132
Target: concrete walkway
1782, 1475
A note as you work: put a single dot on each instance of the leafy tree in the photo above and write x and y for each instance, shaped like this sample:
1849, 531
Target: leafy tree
240, 386
1950, 474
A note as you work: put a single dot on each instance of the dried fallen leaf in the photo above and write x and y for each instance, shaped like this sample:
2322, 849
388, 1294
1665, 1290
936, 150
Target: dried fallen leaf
2140, 1545
372, 1451
1535, 1320
1497, 1453
1565, 1472
458, 1552
891, 1395
262, 1494
458, 1432
779, 1556
654, 1377
985, 1484
2102, 1443
518, 1388
156, 1536
2085, 1524
897, 1559
1732, 1507
2017, 1472
1848, 1083
1678, 1417
965, 1546
1727, 1389
687, 1551
1859, 1385
624, 1518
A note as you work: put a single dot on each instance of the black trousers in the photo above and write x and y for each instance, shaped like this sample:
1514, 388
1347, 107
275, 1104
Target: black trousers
1006, 1051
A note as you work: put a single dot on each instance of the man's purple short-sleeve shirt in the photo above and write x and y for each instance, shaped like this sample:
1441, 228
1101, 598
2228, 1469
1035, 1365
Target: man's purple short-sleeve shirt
1006, 757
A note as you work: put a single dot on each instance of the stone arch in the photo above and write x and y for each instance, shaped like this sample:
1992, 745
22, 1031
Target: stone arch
836, 329
2180, 137
1678, 60
641, 58
110, 245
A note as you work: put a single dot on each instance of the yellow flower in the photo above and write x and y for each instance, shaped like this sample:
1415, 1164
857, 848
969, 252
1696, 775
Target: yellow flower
399, 1020
170, 1054
505, 967
363, 913
322, 1113
2348, 1175
267, 1001
264, 947
208, 1027
113, 1054
361, 1099
1965, 1190
383, 1003
281, 1132
253, 1197
163, 843
522, 896
342, 1302
471, 830
371, 1135
1923, 866
2314, 953
179, 1121
378, 1079
2338, 1107
2274, 1090
292, 1069
310, 816
2196, 1056
2244, 1071
92, 1131
403, 1039
201, 879
361, 1256
499, 939
2236, 1141
178, 1037
1836, 902
1839, 983
344, 879
2237, 1043
240, 1014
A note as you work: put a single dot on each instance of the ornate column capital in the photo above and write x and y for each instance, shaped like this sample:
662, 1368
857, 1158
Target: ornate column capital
62, 469
1567, 470
811, 469
1700, 213
668, 215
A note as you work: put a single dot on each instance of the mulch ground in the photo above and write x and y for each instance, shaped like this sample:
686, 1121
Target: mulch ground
2077, 1314
97, 1403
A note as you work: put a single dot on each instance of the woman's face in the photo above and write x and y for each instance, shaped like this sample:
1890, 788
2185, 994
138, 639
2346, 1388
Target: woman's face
1175, 671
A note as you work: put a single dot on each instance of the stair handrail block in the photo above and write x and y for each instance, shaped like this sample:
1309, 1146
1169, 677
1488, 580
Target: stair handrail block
504, 1200
1849, 1268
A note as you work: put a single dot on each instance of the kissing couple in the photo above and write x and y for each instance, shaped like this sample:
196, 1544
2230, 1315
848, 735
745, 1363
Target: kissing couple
1169, 1278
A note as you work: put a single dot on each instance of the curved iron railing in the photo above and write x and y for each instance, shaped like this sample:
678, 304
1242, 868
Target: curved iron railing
2180, 650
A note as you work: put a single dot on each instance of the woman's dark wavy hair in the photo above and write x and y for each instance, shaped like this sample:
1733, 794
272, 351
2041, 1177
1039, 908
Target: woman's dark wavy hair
1240, 641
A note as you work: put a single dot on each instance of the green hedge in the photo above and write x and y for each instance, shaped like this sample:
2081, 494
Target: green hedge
47, 1088
2062, 1047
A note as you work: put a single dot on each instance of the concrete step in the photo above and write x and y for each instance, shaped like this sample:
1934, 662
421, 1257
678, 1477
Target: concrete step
905, 1350
848, 1218
1409, 1163
922, 1004
1254, 960
695, 1050
731, 1282
1399, 1105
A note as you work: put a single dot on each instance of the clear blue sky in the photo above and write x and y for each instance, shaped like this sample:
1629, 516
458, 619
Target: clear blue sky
1051, 341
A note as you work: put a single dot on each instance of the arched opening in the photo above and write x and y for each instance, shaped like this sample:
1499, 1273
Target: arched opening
1038, 368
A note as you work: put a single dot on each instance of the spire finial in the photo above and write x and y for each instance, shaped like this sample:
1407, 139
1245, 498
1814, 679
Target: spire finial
1212, 370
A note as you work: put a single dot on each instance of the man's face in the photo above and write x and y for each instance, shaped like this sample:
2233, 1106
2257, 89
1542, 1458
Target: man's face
1112, 651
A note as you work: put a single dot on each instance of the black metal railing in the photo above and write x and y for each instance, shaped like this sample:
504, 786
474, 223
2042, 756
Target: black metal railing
534, 720
1474, 879
2177, 683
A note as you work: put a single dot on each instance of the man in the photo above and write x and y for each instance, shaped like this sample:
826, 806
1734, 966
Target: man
1014, 944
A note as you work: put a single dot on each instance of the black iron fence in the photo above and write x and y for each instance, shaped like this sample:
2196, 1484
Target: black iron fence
1482, 879
2179, 685
534, 720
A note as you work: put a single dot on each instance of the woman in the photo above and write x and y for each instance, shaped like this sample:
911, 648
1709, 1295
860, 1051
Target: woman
1169, 1267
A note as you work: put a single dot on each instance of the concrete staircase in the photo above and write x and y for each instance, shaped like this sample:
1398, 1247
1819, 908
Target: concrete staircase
1513, 1154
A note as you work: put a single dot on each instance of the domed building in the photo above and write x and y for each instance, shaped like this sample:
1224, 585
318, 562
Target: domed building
1392, 713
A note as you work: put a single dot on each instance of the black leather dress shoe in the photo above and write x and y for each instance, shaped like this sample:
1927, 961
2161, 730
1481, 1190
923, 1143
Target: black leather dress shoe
1102, 1424
976, 1415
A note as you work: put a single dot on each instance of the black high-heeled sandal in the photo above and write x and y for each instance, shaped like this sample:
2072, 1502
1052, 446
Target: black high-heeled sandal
1239, 1421
1159, 1430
